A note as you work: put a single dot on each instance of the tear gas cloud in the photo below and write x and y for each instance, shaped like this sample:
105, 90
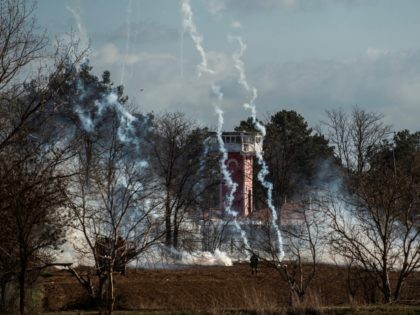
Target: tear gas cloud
132, 129
92, 117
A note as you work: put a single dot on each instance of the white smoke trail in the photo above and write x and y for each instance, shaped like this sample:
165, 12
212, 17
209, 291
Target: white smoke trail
198, 190
127, 122
188, 25
239, 65
127, 40
181, 56
83, 34
227, 178
231, 185
125, 128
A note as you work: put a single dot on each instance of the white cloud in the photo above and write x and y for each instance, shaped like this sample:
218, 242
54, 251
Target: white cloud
409, 92
236, 24
144, 32
215, 7
289, 3
154, 82
107, 54
375, 53
380, 81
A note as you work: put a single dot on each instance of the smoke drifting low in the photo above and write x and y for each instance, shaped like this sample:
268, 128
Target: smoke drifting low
100, 107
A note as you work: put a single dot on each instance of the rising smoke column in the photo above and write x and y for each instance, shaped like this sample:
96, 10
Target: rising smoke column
92, 105
181, 55
262, 174
198, 190
126, 130
83, 34
127, 40
232, 186
188, 25
108, 101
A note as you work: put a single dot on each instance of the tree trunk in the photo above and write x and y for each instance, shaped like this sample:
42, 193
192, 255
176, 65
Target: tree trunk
86, 283
3, 294
386, 286
168, 227
398, 289
22, 289
100, 301
110, 293
176, 230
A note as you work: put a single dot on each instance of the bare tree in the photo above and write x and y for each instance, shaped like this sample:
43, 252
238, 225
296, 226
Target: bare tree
354, 135
304, 243
338, 133
20, 40
375, 228
22, 45
215, 233
33, 195
176, 147
114, 210
32, 179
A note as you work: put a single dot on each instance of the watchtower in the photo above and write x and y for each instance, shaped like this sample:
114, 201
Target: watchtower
241, 148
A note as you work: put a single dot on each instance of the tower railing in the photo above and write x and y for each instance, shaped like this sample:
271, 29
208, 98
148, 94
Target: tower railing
244, 142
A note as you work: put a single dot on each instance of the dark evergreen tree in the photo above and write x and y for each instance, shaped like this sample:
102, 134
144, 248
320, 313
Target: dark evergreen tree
292, 151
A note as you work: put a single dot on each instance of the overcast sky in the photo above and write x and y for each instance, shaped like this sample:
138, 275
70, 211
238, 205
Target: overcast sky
305, 55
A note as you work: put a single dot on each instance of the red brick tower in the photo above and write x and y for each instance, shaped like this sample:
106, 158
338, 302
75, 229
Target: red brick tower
241, 148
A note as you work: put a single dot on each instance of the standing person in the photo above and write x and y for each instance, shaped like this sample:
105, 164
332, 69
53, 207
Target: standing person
254, 263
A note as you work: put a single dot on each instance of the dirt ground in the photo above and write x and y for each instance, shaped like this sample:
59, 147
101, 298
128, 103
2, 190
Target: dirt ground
211, 288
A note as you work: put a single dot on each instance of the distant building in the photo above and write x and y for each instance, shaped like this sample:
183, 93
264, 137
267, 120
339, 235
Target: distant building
241, 148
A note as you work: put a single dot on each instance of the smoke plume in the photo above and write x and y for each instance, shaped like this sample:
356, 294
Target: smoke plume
262, 174
189, 25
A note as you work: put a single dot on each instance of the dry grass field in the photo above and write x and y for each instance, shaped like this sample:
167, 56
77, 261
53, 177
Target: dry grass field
215, 290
